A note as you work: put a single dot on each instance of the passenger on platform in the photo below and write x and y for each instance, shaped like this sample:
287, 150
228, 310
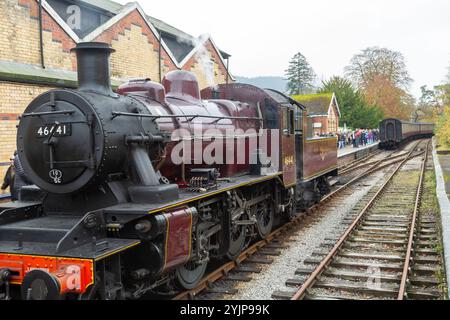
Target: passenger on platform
8, 180
358, 138
364, 137
349, 138
16, 179
354, 139
341, 139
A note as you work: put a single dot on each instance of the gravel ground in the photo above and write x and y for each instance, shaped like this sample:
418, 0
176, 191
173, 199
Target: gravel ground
303, 244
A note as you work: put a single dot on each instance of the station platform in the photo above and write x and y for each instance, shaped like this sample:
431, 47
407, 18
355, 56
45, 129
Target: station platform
350, 150
350, 154
442, 168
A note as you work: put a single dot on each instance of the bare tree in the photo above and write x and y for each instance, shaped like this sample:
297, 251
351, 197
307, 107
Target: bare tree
375, 62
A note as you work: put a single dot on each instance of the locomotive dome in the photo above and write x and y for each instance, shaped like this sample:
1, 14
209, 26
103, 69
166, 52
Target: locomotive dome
182, 84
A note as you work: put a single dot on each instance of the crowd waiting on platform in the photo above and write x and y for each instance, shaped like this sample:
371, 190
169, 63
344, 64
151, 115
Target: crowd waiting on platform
357, 138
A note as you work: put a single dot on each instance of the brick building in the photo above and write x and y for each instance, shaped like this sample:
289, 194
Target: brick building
323, 112
35, 52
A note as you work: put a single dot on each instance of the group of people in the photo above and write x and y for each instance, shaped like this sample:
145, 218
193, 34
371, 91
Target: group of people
357, 138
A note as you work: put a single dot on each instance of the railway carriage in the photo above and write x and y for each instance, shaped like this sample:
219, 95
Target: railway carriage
114, 215
394, 132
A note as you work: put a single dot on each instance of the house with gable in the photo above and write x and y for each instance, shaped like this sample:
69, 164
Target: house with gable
323, 112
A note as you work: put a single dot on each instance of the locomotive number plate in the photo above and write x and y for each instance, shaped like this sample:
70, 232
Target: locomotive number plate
62, 130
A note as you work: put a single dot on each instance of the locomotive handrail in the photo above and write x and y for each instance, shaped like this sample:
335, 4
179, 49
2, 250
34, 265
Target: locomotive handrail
141, 115
38, 114
218, 118
188, 117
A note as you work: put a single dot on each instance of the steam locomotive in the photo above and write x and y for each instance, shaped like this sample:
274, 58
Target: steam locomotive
125, 205
394, 132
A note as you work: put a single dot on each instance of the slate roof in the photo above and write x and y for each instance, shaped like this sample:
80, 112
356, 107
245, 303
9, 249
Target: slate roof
106, 5
21, 72
170, 34
316, 104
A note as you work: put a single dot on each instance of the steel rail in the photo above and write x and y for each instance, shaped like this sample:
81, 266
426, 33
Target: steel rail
226, 268
354, 163
300, 294
357, 166
403, 283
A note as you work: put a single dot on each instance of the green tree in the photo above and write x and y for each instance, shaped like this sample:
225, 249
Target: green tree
300, 75
436, 106
426, 105
366, 116
355, 111
442, 113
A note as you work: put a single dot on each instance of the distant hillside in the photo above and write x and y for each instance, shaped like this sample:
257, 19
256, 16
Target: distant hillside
276, 83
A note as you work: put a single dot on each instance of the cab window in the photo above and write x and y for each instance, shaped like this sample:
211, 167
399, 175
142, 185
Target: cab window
288, 121
298, 120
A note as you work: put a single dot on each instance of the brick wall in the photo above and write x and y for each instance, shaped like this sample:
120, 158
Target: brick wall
14, 99
137, 49
320, 119
207, 74
19, 36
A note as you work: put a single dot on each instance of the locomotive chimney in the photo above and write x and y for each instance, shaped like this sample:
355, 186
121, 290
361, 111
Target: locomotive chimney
93, 67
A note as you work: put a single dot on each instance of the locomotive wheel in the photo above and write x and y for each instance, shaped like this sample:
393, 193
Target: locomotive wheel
324, 186
238, 237
93, 293
189, 275
264, 220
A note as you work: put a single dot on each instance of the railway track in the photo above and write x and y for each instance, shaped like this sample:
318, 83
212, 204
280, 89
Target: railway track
263, 252
354, 163
388, 250
356, 168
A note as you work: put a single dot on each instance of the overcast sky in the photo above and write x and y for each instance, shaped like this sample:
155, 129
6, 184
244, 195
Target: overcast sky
262, 35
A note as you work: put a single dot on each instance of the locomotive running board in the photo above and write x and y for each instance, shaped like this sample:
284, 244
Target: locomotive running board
101, 249
188, 197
